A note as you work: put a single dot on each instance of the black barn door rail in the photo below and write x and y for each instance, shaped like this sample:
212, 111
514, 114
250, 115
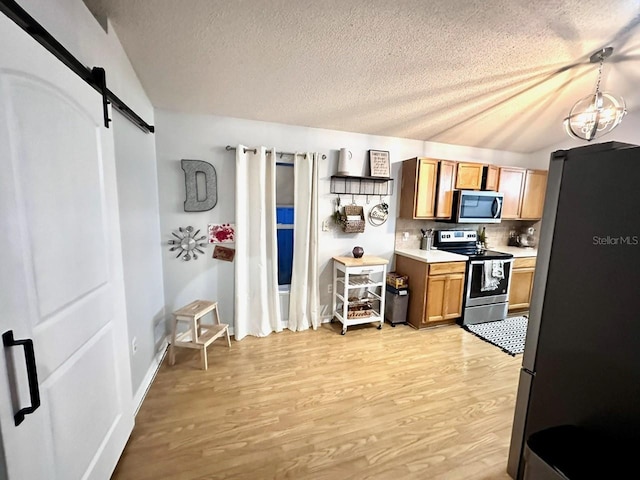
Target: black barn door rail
95, 77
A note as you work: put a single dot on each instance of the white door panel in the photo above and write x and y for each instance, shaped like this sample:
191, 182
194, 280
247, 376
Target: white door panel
61, 283
84, 318
94, 404
62, 192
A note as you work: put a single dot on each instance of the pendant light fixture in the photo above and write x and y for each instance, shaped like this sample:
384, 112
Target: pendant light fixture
596, 114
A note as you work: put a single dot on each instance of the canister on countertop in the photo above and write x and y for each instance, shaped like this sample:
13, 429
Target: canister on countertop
426, 243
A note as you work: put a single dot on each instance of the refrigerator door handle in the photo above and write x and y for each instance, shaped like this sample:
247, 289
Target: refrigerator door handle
32, 375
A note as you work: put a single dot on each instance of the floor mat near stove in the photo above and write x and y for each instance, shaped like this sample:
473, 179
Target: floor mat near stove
508, 334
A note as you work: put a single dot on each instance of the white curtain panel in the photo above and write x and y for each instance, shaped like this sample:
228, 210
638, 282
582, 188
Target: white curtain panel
256, 261
304, 295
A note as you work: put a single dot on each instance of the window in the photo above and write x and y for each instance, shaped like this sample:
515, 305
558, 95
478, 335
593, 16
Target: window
285, 244
284, 219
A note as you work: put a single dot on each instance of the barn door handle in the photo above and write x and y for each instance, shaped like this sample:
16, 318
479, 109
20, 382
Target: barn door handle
30, 358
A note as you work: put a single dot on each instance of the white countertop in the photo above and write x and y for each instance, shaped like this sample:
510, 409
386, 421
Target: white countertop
517, 252
430, 256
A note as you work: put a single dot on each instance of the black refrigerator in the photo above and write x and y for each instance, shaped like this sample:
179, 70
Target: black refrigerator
578, 399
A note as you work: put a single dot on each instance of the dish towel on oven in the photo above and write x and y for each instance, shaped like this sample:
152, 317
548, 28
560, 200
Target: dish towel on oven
492, 273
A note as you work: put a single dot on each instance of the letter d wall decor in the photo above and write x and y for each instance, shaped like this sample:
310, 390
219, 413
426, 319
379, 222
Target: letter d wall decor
201, 195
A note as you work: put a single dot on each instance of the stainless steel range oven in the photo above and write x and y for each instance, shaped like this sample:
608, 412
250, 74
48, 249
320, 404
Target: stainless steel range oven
488, 276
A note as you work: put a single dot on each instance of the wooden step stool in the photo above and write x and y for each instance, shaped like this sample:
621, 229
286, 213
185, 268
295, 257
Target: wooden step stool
198, 336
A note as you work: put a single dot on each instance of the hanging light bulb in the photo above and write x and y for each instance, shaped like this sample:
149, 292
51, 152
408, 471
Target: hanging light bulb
596, 114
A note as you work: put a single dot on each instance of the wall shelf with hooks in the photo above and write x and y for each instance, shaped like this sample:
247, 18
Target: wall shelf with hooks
347, 185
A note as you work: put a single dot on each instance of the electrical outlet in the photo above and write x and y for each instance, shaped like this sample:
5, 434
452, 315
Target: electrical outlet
405, 236
330, 288
325, 226
134, 345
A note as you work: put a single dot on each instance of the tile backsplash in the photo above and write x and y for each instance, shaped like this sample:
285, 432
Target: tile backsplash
497, 233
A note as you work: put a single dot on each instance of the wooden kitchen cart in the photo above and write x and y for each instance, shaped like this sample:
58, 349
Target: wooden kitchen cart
358, 290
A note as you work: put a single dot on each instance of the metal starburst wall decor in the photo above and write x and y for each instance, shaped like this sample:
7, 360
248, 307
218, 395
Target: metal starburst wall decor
187, 243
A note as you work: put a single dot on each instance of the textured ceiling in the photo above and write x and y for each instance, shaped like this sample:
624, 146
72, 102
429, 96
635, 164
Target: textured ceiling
498, 74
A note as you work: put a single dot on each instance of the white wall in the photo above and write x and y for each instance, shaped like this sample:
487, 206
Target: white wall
201, 137
77, 30
627, 132
445, 151
204, 137
141, 255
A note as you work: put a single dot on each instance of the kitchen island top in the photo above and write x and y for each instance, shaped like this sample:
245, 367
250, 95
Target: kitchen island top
430, 256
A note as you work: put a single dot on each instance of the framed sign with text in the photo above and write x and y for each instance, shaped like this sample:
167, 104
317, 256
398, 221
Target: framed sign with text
379, 163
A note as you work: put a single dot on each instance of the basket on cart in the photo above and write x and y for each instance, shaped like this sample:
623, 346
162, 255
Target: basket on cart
360, 310
359, 313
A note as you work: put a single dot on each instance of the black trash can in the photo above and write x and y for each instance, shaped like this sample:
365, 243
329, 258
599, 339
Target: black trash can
396, 304
568, 452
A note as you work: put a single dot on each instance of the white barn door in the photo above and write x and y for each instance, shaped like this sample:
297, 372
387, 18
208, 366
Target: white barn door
61, 281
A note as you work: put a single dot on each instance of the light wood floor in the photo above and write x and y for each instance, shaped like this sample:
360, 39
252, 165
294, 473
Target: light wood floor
382, 404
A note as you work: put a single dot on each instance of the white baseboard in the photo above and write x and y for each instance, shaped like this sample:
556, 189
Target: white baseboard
141, 393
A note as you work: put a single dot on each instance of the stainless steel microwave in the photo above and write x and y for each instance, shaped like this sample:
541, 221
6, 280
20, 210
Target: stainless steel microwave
471, 206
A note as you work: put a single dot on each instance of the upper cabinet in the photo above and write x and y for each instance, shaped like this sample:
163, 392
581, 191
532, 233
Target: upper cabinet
418, 190
535, 186
427, 188
523, 191
510, 184
446, 186
490, 178
428, 185
469, 176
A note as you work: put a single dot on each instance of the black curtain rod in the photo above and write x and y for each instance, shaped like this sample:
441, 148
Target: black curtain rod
228, 148
94, 77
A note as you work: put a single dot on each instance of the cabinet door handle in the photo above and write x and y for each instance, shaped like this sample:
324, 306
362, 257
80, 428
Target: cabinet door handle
32, 374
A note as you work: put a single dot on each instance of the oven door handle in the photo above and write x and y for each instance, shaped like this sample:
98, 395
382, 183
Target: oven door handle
481, 262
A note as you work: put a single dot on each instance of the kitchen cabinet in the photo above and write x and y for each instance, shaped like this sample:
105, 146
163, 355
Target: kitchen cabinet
490, 178
522, 275
418, 189
523, 192
445, 291
446, 186
469, 176
510, 184
535, 185
358, 290
428, 185
435, 291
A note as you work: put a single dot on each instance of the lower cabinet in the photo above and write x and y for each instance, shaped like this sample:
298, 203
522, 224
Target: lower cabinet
435, 291
521, 287
444, 297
